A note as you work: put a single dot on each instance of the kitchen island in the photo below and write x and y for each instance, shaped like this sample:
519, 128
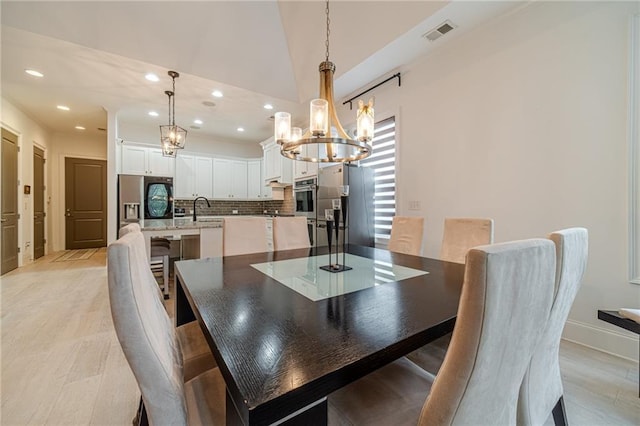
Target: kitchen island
209, 229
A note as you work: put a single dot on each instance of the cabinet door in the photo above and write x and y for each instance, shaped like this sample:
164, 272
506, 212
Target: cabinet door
134, 160
238, 179
185, 176
204, 177
221, 178
158, 164
272, 161
312, 168
254, 179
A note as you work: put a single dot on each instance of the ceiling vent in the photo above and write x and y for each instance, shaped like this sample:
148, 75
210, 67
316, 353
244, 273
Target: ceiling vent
438, 32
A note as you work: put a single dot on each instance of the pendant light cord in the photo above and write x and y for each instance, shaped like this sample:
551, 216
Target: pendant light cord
173, 120
328, 32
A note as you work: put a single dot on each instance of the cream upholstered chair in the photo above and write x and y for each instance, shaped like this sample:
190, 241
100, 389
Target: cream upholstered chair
151, 347
244, 235
541, 392
507, 293
461, 234
406, 235
195, 349
290, 233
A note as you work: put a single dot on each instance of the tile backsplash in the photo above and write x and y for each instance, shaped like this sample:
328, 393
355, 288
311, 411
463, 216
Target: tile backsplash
226, 207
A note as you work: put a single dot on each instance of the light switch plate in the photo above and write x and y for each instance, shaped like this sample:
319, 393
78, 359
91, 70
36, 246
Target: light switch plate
414, 205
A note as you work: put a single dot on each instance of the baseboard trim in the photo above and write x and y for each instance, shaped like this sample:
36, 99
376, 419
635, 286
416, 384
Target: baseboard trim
622, 344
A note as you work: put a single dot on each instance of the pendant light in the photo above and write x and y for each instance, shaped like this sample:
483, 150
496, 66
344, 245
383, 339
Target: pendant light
325, 130
171, 136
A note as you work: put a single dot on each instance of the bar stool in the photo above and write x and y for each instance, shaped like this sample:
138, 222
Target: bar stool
160, 248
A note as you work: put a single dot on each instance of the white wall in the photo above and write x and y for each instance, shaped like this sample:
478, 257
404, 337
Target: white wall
29, 133
195, 143
65, 145
525, 121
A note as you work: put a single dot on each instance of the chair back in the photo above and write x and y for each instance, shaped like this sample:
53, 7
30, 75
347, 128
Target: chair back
290, 233
461, 234
406, 235
145, 331
542, 385
506, 294
132, 227
244, 235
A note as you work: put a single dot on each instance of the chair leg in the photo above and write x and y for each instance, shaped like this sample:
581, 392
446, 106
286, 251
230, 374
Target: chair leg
559, 413
165, 275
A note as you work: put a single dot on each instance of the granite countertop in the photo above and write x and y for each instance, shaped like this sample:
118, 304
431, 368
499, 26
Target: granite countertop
187, 223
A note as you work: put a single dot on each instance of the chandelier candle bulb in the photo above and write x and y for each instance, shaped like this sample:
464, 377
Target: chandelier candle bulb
365, 121
296, 134
282, 126
318, 117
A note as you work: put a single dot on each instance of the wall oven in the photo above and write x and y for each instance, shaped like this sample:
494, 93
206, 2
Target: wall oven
304, 192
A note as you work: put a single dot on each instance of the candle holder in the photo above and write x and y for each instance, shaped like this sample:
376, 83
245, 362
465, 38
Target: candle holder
334, 216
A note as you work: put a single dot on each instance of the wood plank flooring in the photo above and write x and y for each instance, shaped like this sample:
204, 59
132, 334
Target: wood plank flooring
61, 363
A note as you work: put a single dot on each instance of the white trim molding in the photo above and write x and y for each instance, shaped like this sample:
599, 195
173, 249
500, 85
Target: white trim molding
616, 342
634, 150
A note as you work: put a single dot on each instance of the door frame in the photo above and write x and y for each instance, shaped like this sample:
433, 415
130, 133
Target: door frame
63, 192
46, 204
20, 188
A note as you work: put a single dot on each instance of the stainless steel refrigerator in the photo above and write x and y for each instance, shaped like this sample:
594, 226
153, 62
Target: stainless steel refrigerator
360, 229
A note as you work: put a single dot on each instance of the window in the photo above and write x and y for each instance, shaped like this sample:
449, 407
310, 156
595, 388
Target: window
383, 162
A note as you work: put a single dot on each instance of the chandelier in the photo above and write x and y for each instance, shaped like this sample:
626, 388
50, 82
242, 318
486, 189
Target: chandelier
325, 130
172, 137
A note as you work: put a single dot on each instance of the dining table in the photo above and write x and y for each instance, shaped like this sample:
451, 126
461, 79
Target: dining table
286, 333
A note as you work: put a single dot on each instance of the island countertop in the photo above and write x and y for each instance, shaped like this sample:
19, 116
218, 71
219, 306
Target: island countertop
180, 223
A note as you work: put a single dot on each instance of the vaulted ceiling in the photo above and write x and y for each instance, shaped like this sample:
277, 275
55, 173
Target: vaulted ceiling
94, 55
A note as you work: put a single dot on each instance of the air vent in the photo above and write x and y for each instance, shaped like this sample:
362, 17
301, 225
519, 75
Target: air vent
442, 29
208, 103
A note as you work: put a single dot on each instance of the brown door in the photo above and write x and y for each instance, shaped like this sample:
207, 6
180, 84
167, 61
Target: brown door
85, 203
9, 215
38, 203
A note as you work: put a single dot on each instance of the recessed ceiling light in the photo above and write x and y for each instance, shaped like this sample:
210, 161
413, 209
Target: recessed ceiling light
34, 73
196, 121
240, 129
153, 113
152, 77
63, 107
268, 106
217, 94
79, 127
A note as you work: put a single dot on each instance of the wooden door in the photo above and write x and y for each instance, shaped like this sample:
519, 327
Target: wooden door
9, 214
38, 203
85, 203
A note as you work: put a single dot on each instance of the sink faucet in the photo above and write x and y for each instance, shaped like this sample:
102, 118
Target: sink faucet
194, 206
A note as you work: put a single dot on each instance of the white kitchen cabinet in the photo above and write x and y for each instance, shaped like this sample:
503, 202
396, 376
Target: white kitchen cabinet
276, 167
194, 176
254, 179
229, 178
141, 160
306, 169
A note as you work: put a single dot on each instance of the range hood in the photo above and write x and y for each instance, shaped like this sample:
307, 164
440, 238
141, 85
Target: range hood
276, 184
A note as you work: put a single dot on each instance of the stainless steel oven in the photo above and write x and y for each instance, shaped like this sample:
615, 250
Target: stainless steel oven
305, 194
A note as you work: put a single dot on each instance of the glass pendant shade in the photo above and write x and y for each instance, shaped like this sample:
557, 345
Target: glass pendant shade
319, 117
296, 134
169, 150
173, 135
365, 121
282, 126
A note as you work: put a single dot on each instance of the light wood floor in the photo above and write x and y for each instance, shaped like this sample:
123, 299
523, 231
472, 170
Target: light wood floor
62, 364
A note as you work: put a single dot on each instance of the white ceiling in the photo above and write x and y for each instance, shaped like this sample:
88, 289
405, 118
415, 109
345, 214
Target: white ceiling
95, 54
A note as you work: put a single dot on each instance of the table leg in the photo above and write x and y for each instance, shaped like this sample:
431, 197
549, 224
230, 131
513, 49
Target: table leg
315, 414
184, 313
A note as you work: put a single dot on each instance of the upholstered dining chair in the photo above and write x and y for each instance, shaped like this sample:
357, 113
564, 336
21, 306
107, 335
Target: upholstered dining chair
195, 349
461, 234
151, 347
290, 233
406, 235
541, 393
506, 294
244, 235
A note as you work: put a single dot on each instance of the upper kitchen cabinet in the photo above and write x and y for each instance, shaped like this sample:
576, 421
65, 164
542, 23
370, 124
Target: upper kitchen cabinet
305, 169
255, 182
142, 160
194, 176
276, 167
229, 178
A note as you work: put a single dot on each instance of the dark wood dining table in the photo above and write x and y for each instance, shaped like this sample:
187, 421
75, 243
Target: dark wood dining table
281, 354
